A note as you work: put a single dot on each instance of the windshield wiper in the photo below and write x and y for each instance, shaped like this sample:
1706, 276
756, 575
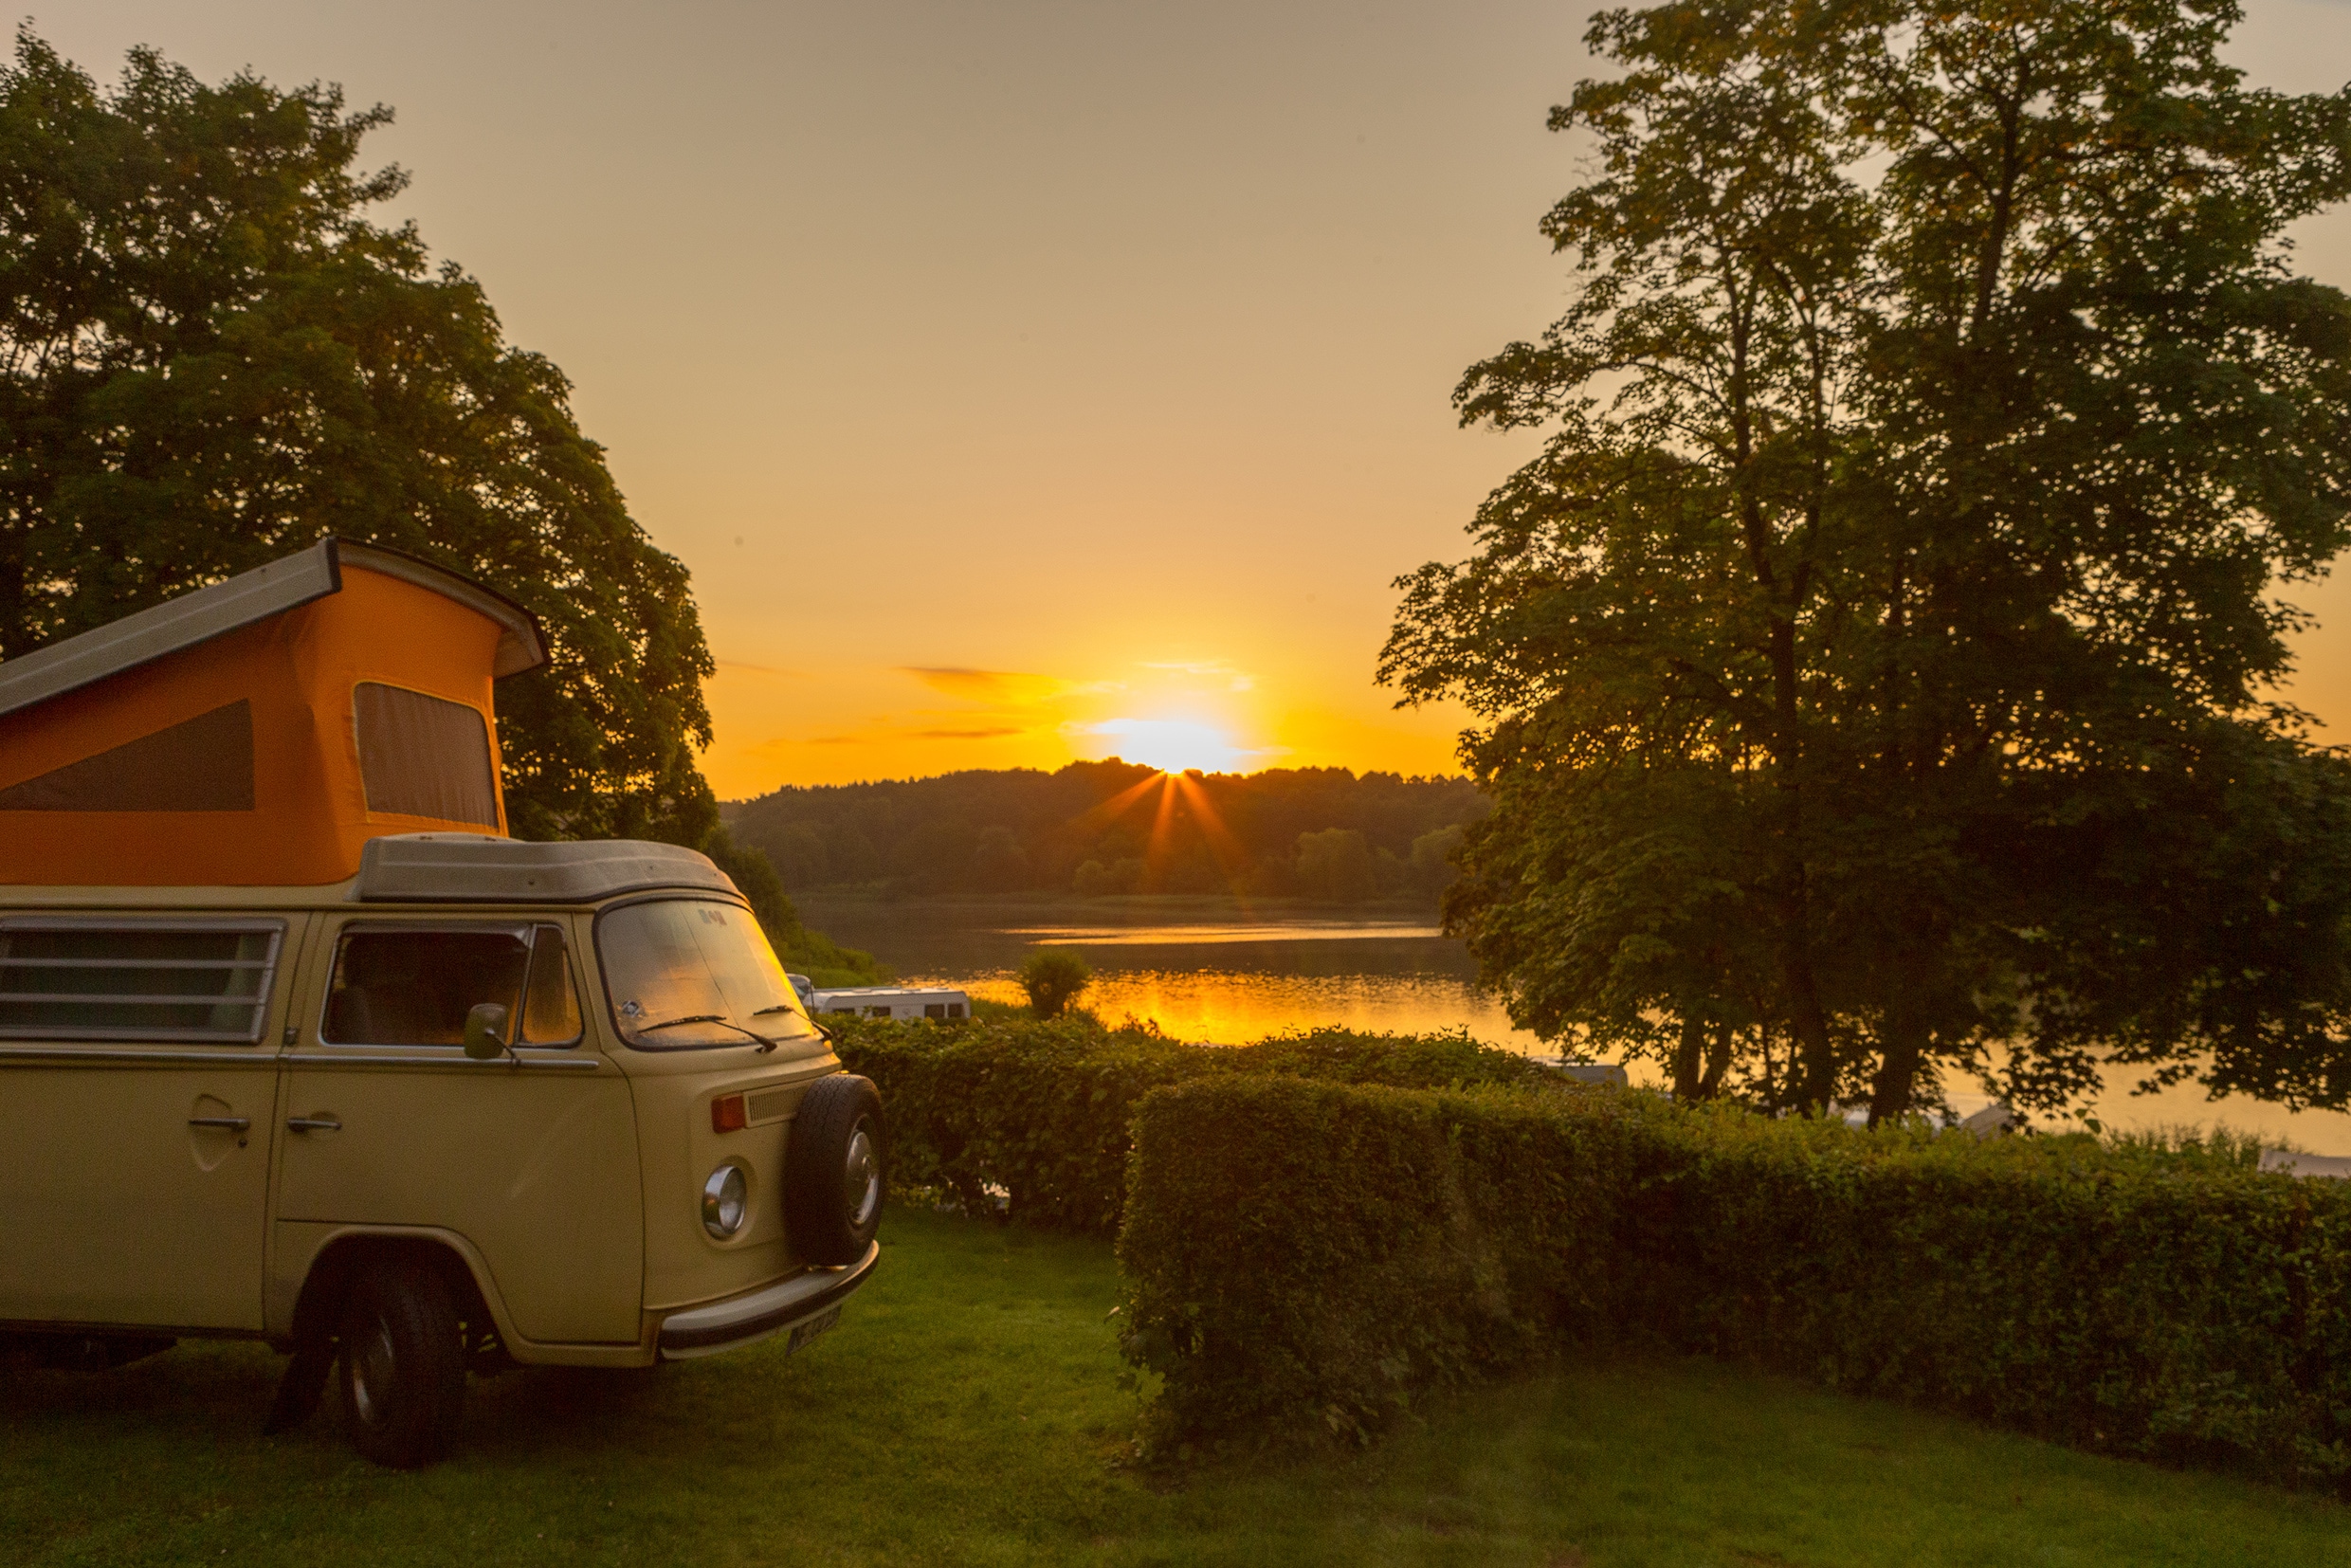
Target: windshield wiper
780, 1007
673, 1022
765, 1043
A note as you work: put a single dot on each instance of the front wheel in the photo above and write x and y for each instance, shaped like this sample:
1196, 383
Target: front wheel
403, 1365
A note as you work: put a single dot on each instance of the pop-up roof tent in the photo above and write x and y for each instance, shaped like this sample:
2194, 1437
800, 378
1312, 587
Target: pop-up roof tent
261, 731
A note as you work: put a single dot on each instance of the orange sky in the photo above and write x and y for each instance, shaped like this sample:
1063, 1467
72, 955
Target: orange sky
1025, 381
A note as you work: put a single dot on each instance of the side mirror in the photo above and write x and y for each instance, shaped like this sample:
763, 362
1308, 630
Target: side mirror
485, 1031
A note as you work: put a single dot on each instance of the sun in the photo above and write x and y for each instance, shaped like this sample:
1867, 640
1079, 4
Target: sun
1172, 745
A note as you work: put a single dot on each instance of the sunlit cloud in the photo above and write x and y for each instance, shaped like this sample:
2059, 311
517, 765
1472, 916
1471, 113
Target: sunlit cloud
988, 686
994, 733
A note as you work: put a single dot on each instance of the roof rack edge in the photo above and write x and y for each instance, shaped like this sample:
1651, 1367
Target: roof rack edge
191, 619
177, 623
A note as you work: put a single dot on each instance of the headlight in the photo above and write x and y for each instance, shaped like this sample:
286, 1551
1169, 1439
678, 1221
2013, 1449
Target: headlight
725, 1201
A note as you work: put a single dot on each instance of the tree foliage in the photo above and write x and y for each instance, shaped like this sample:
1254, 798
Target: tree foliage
1873, 670
210, 359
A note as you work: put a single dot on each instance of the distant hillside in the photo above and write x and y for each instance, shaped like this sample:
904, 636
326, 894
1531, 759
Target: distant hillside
1118, 826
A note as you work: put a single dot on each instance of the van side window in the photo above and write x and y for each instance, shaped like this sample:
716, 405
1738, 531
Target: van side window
551, 1015
66, 980
415, 988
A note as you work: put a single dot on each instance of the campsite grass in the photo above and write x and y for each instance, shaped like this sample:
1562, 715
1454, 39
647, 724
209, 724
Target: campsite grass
966, 1411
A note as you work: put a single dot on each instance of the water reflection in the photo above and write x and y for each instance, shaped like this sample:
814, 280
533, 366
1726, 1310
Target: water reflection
1217, 934
1211, 969
1229, 1006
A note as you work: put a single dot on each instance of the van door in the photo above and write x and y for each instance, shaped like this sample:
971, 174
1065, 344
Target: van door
531, 1156
137, 1088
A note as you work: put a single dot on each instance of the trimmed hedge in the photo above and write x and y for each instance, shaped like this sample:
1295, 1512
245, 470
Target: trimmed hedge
1034, 1116
1305, 1255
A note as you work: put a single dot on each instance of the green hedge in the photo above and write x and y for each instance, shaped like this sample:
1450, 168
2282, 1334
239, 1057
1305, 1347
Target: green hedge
1033, 1117
1312, 1255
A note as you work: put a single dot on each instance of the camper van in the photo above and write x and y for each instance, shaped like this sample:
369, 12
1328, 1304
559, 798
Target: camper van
297, 1046
905, 1002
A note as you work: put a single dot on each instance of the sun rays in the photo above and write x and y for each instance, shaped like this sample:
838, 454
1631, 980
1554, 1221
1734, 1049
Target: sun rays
1179, 796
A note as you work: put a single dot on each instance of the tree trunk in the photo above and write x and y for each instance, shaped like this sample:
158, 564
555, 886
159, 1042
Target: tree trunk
1811, 1070
1688, 1060
1718, 1061
1901, 1053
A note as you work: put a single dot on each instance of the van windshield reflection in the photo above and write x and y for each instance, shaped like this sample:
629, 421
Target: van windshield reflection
685, 972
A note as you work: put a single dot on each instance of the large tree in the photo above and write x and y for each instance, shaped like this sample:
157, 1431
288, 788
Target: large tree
210, 358
1873, 670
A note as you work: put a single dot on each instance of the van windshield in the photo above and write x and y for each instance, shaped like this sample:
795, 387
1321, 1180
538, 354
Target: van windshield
686, 972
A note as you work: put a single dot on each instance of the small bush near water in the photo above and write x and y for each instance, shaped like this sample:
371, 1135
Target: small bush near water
1305, 1255
1054, 980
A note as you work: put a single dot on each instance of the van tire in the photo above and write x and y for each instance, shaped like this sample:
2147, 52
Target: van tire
403, 1364
833, 1171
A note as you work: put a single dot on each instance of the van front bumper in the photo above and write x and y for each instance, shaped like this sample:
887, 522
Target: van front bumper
728, 1325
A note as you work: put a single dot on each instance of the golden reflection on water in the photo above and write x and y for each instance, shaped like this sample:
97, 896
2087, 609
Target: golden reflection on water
1226, 1008
1223, 931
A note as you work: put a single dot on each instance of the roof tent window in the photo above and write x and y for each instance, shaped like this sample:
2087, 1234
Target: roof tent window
202, 764
423, 756
70, 980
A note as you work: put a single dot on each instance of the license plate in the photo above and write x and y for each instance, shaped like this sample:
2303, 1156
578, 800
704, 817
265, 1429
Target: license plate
803, 1333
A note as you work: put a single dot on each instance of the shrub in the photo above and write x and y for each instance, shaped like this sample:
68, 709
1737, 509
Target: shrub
1053, 979
1035, 1113
1308, 1254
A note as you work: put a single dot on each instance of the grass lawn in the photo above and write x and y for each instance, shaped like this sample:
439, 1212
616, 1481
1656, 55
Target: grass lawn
966, 1412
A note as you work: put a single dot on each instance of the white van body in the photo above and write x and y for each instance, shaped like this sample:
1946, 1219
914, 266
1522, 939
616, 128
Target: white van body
889, 1001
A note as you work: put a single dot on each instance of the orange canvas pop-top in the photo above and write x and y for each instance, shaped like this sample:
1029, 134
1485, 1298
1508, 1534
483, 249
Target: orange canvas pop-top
259, 732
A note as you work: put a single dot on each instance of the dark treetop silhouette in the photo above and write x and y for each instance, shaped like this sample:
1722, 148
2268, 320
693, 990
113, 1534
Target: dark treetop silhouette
1870, 671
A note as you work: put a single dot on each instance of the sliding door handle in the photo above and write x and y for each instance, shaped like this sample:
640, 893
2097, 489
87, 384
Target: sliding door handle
230, 1124
313, 1124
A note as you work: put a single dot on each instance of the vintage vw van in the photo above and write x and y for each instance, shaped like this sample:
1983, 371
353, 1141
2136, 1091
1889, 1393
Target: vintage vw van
473, 1103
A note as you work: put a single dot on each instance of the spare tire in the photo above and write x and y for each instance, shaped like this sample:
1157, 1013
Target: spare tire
833, 1171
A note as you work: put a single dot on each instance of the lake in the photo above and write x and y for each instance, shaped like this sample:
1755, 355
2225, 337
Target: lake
1217, 970
1206, 969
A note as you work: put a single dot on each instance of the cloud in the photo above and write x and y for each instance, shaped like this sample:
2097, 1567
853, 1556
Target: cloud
740, 666
883, 731
1003, 687
983, 685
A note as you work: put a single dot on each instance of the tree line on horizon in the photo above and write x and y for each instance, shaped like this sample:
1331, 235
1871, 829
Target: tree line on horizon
1112, 826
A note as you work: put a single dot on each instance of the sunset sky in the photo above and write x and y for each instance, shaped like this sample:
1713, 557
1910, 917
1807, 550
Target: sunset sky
1023, 381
